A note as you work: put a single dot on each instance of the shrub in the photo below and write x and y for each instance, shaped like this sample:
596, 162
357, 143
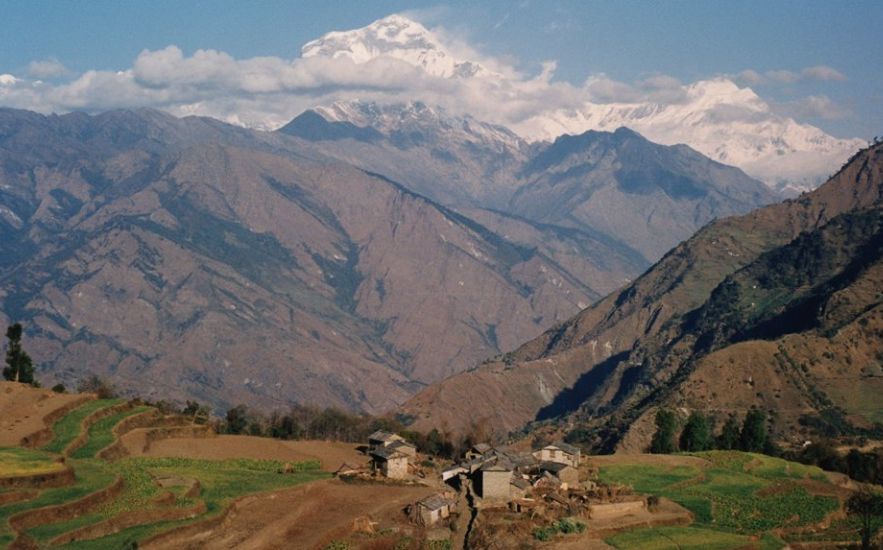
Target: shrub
543, 534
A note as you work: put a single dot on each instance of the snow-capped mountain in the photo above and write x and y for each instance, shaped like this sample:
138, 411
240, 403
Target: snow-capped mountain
719, 119
396, 37
453, 159
415, 116
728, 123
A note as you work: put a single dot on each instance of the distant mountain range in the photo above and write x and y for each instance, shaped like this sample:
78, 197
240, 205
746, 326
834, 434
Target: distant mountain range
329, 262
780, 309
718, 118
638, 196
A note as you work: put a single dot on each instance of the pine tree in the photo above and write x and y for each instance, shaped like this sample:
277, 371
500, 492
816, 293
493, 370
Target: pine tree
697, 433
664, 439
753, 437
19, 367
729, 438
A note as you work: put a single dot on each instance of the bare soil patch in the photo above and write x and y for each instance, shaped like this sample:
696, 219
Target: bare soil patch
23, 410
309, 516
330, 453
648, 459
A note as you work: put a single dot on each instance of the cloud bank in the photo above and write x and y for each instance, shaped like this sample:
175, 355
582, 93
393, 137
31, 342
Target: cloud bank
266, 92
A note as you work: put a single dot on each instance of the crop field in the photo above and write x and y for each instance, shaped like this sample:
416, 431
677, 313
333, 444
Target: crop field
101, 433
187, 483
68, 428
688, 538
20, 462
737, 494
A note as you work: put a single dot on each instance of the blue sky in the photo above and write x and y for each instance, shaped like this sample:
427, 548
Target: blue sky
626, 41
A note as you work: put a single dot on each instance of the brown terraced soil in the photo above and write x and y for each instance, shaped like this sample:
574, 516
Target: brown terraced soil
22, 409
304, 517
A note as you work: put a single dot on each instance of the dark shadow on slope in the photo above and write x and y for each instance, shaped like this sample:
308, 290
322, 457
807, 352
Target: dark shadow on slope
570, 399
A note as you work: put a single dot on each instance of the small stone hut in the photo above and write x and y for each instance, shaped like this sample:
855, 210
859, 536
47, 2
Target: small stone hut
431, 509
389, 462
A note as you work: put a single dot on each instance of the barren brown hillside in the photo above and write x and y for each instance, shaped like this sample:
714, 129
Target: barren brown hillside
185, 258
589, 362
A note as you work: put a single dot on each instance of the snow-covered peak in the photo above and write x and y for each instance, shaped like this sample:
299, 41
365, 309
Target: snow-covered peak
721, 120
414, 116
723, 91
394, 37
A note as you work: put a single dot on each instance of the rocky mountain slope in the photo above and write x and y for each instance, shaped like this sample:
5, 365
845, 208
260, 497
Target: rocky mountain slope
459, 161
189, 258
639, 197
647, 196
780, 308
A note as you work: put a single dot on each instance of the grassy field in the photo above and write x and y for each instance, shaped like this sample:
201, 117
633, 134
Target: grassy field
68, 428
737, 495
221, 481
101, 433
688, 538
15, 461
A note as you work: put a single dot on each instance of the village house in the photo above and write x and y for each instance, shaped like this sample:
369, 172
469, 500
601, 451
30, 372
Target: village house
392, 463
566, 473
494, 478
559, 452
404, 447
383, 439
477, 451
432, 509
547, 482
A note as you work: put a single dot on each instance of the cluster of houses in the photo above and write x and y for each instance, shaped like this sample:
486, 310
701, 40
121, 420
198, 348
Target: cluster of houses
501, 474
545, 481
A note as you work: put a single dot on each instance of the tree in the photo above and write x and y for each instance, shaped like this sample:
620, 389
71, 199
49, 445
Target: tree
753, 436
866, 505
199, 413
237, 419
696, 435
664, 439
19, 367
728, 440
97, 385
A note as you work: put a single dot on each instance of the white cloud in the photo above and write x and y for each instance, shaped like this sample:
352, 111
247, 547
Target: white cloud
783, 76
47, 68
814, 106
823, 72
266, 92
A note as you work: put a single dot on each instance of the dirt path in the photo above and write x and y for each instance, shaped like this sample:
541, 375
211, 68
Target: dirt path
305, 517
330, 453
22, 409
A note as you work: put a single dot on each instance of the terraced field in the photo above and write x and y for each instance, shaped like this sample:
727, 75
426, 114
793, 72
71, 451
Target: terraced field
117, 503
737, 499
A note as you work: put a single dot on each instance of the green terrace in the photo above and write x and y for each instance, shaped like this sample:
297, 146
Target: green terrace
736, 498
192, 489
